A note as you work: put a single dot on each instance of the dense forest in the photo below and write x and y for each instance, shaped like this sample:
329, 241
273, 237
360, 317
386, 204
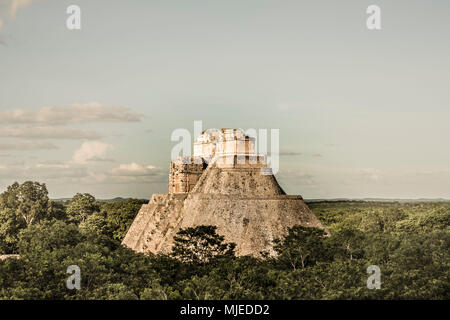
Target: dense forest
409, 242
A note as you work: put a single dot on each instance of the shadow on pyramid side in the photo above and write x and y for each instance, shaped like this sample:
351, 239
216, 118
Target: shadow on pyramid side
224, 184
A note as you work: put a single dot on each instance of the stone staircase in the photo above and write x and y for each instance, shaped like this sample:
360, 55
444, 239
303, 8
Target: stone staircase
155, 222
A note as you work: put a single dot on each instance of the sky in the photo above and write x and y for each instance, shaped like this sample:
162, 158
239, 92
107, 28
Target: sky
361, 113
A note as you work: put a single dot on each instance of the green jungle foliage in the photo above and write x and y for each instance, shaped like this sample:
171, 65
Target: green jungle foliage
408, 241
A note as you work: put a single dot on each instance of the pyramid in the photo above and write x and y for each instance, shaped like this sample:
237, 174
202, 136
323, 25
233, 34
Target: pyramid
225, 184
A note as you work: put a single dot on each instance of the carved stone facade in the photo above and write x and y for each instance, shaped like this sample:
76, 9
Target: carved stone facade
184, 173
224, 142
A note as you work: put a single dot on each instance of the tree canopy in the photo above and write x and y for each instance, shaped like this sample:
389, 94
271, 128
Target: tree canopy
409, 242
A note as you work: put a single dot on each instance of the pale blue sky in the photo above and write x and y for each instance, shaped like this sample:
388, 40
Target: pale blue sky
361, 113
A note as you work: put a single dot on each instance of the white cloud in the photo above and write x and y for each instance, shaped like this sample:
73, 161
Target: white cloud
107, 179
47, 133
296, 176
52, 123
42, 172
369, 174
16, 5
127, 174
27, 145
74, 113
134, 169
91, 151
9, 9
288, 152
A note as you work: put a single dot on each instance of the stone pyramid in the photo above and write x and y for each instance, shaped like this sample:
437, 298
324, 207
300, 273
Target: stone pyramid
224, 184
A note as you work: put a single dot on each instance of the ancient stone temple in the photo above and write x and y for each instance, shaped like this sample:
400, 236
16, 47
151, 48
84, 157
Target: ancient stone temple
225, 184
